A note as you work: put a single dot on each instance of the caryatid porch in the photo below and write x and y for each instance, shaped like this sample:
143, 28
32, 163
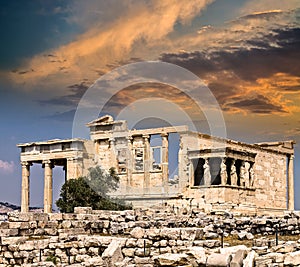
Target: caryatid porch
67, 153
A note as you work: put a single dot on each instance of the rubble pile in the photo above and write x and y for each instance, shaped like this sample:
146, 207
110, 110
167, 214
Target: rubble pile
148, 237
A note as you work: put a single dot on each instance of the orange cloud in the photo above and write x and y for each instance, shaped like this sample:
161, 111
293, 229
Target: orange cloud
277, 94
100, 46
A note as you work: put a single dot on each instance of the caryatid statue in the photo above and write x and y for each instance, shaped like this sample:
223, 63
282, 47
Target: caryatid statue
252, 176
247, 174
223, 172
206, 174
242, 174
233, 174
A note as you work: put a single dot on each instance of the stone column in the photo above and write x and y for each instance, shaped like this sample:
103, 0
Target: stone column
291, 182
47, 186
25, 186
129, 161
147, 163
183, 163
113, 155
165, 160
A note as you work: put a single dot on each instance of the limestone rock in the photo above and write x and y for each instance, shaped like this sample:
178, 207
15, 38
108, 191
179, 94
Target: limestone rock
233, 250
237, 260
218, 260
113, 253
137, 232
169, 259
249, 260
292, 259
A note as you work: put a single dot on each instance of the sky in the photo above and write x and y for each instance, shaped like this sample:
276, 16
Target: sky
247, 52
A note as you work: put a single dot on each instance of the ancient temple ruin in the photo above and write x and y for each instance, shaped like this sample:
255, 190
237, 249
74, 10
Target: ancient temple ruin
212, 173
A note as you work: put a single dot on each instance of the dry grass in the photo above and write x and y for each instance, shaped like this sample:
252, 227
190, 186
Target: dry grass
233, 240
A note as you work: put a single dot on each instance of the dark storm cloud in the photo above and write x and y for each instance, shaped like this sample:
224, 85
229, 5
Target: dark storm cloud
259, 105
248, 64
76, 91
196, 61
222, 91
229, 73
263, 62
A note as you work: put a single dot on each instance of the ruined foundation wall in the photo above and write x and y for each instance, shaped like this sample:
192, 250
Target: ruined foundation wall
141, 233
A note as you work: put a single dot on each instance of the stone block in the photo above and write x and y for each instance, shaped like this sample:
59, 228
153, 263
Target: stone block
292, 259
153, 233
197, 253
170, 259
83, 210
113, 253
128, 252
218, 260
285, 248
19, 216
8, 232
137, 232
13, 240
55, 216
237, 260
233, 250
276, 257
28, 245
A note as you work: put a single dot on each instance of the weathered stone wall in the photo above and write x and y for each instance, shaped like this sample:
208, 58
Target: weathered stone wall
142, 235
270, 170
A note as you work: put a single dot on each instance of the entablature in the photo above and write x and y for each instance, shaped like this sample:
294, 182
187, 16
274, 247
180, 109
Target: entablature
227, 152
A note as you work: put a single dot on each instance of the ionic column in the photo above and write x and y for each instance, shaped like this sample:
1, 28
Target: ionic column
25, 186
291, 183
47, 186
165, 159
147, 162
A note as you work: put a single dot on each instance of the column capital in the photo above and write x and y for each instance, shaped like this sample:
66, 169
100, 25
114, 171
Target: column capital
164, 135
48, 163
146, 137
26, 163
73, 158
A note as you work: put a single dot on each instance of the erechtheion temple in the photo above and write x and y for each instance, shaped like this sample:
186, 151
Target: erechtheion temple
212, 173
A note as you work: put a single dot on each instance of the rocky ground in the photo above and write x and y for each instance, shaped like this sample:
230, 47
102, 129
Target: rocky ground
149, 237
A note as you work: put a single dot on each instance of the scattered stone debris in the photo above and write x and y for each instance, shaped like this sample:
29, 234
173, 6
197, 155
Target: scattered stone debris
148, 237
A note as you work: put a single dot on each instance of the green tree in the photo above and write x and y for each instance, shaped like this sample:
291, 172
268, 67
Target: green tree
91, 191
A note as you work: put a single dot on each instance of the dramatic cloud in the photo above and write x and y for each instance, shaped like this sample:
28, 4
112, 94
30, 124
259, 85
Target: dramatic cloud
252, 57
260, 105
262, 5
6, 166
258, 73
142, 23
72, 99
